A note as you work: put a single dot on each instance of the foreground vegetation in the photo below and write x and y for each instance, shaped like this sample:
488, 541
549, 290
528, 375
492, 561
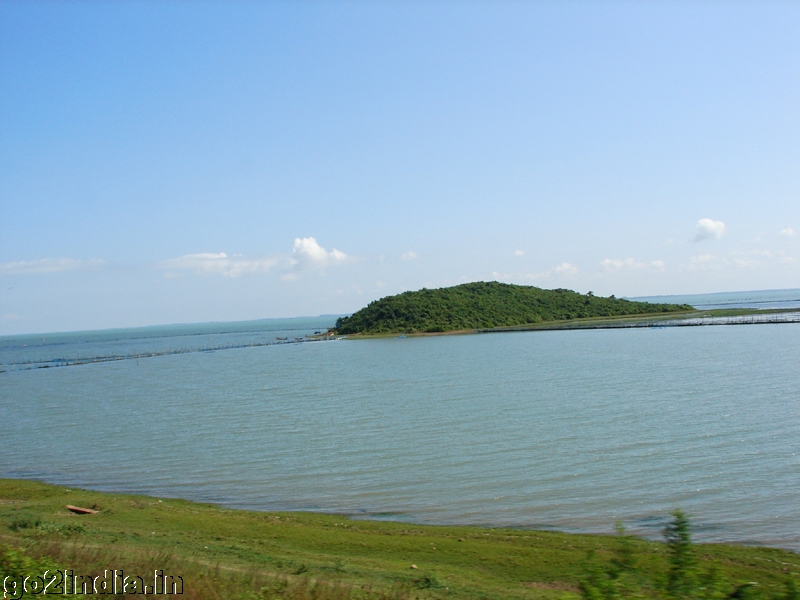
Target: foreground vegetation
485, 305
230, 554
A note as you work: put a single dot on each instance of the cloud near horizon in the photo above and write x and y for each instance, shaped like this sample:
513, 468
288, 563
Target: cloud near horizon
306, 254
209, 263
564, 269
708, 229
611, 264
49, 265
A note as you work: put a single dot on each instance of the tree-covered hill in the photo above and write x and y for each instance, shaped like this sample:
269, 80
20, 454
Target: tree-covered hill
483, 305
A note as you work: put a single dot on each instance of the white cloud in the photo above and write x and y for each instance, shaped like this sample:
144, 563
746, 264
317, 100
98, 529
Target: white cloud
702, 262
738, 259
760, 253
307, 253
558, 270
744, 263
209, 263
708, 229
628, 264
788, 232
519, 253
564, 269
11, 317
410, 255
49, 265
760, 258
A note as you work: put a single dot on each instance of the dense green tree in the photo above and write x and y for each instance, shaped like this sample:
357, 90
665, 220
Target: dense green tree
484, 305
623, 578
682, 577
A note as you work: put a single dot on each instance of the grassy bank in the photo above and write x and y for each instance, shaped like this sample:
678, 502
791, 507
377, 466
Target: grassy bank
224, 553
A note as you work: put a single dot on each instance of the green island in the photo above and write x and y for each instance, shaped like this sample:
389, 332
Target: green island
231, 554
489, 305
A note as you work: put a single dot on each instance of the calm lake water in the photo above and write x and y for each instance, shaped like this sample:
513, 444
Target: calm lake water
569, 430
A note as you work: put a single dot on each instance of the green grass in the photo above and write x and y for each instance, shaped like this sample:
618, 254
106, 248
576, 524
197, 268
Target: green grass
223, 553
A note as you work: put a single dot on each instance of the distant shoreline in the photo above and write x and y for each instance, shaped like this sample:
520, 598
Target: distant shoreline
743, 316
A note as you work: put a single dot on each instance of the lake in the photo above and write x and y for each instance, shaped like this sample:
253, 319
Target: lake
567, 430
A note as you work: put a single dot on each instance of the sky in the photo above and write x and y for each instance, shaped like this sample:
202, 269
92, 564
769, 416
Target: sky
172, 162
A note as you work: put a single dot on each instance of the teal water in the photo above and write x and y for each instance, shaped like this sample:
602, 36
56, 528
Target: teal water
569, 430
37, 351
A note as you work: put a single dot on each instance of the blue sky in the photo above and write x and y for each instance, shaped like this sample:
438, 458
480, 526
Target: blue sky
180, 162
